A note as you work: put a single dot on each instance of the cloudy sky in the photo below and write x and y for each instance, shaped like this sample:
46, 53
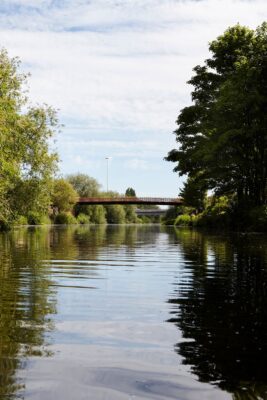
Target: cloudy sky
117, 72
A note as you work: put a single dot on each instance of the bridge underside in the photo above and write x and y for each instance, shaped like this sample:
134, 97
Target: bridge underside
130, 200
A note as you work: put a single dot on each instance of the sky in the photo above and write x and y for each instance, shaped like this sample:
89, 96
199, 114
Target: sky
116, 71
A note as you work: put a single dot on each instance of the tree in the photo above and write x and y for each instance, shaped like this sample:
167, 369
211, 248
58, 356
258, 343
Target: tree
96, 213
26, 161
222, 137
193, 193
85, 185
64, 195
130, 192
130, 214
115, 214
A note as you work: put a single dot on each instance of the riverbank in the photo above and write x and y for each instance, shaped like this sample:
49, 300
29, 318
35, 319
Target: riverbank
220, 216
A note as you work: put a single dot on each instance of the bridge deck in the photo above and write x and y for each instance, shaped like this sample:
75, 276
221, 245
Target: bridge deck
130, 200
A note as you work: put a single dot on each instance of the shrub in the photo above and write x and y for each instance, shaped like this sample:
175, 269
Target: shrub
184, 220
83, 219
217, 215
97, 214
65, 218
21, 220
115, 214
34, 218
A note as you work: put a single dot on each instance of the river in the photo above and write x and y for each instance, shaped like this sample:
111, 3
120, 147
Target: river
132, 312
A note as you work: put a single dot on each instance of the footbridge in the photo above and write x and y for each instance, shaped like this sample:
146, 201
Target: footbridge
164, 201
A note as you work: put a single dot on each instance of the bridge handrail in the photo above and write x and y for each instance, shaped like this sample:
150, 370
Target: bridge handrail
127, 199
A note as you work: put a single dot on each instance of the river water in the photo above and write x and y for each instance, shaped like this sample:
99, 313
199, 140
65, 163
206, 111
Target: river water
132, 312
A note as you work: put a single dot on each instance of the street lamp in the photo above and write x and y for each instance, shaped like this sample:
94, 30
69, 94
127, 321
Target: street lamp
107, 158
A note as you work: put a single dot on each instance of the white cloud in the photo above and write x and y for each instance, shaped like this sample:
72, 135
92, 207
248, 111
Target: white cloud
138, 164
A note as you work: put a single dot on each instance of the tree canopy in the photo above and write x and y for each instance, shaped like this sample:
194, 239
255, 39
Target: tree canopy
85, 185
222, 136
27, 164
64, 195
130, 192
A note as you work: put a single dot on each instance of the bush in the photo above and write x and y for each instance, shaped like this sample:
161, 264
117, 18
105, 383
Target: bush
34, 218
65, 218
21, 220
218, 214
115, 214
83, 219
97, 214
184, 220
144, 220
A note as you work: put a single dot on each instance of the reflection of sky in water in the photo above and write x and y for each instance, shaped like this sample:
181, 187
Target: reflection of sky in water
91, 305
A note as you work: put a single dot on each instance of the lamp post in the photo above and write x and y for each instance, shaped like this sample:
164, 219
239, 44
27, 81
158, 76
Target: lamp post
107, 158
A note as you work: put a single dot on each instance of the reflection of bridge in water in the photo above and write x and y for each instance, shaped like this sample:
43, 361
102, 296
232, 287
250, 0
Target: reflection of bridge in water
131, 200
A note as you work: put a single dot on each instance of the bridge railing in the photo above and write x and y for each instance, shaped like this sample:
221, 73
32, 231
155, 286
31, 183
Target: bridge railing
132, 200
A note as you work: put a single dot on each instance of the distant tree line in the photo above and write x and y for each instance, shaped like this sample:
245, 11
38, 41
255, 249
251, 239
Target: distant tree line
68, 190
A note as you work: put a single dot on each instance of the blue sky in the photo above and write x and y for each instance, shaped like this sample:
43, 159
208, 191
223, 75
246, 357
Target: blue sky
117, 72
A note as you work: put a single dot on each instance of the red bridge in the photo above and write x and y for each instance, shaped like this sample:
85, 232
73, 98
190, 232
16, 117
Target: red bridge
131, 200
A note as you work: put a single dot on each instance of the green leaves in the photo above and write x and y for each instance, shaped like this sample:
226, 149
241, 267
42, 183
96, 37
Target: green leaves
27, 164
222, 136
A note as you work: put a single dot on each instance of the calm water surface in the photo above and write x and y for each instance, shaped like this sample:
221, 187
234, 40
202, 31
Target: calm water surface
132, 312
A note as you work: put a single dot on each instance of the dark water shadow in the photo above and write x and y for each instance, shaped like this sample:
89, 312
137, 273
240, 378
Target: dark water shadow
220, 306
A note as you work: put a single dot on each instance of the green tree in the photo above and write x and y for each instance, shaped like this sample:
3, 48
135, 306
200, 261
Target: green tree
96, 213
26, 161
64, 195
222, 136
130, 214
193, 193
85, 185
115, 214
130, 192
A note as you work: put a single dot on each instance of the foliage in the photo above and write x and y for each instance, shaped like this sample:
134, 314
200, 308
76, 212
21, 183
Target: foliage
130, 192
65, 218
83, 219
21, 220
96, 214
34, 218
85, 185
130, 214
64, 195
26, 163
144, 219
218, 214
184, 220
193, 193
222, 137
115, 214
173, 212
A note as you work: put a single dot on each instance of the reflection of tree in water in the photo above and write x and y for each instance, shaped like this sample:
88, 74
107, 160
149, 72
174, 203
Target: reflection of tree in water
26, 303
89, 240
222, 311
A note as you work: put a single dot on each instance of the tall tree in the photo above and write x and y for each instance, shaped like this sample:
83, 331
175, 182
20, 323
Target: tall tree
193, 193
222, 136
26, 160
85, 185
64, 195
